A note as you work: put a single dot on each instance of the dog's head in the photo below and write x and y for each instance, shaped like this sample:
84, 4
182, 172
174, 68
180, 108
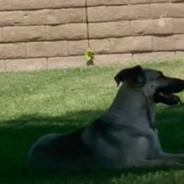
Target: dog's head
151, 81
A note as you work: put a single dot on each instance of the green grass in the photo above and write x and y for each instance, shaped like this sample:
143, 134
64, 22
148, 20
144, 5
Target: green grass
36, 103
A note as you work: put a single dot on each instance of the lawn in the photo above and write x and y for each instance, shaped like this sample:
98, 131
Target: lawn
36, 103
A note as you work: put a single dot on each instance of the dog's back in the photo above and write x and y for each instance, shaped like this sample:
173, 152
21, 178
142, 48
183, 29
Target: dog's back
59, 151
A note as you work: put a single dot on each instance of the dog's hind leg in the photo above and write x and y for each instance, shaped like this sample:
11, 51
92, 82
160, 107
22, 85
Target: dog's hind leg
158, 163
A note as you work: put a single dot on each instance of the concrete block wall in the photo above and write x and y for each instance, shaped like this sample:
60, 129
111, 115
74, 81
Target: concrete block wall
51, 34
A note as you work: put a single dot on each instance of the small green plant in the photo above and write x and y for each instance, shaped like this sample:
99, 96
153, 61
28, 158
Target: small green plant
89, 56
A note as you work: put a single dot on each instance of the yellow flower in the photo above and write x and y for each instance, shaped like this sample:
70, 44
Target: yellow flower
89, 55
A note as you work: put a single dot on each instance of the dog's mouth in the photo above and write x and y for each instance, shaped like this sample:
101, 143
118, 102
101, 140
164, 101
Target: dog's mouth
168, 98
167, 94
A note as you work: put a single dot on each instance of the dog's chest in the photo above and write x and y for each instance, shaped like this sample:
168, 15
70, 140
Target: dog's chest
148, 111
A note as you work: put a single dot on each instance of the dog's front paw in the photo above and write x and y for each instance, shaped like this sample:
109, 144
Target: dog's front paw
174, 164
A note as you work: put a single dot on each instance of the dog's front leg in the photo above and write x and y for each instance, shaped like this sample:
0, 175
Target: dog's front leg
157, 152
176, 157
158, 163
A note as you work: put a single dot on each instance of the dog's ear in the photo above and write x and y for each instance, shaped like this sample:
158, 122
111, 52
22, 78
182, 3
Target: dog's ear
134, 74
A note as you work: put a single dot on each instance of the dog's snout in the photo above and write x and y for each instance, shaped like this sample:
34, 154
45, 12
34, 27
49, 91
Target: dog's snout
174, 86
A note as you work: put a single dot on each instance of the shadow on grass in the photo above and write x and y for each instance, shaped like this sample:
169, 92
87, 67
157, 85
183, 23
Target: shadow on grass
17, 135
